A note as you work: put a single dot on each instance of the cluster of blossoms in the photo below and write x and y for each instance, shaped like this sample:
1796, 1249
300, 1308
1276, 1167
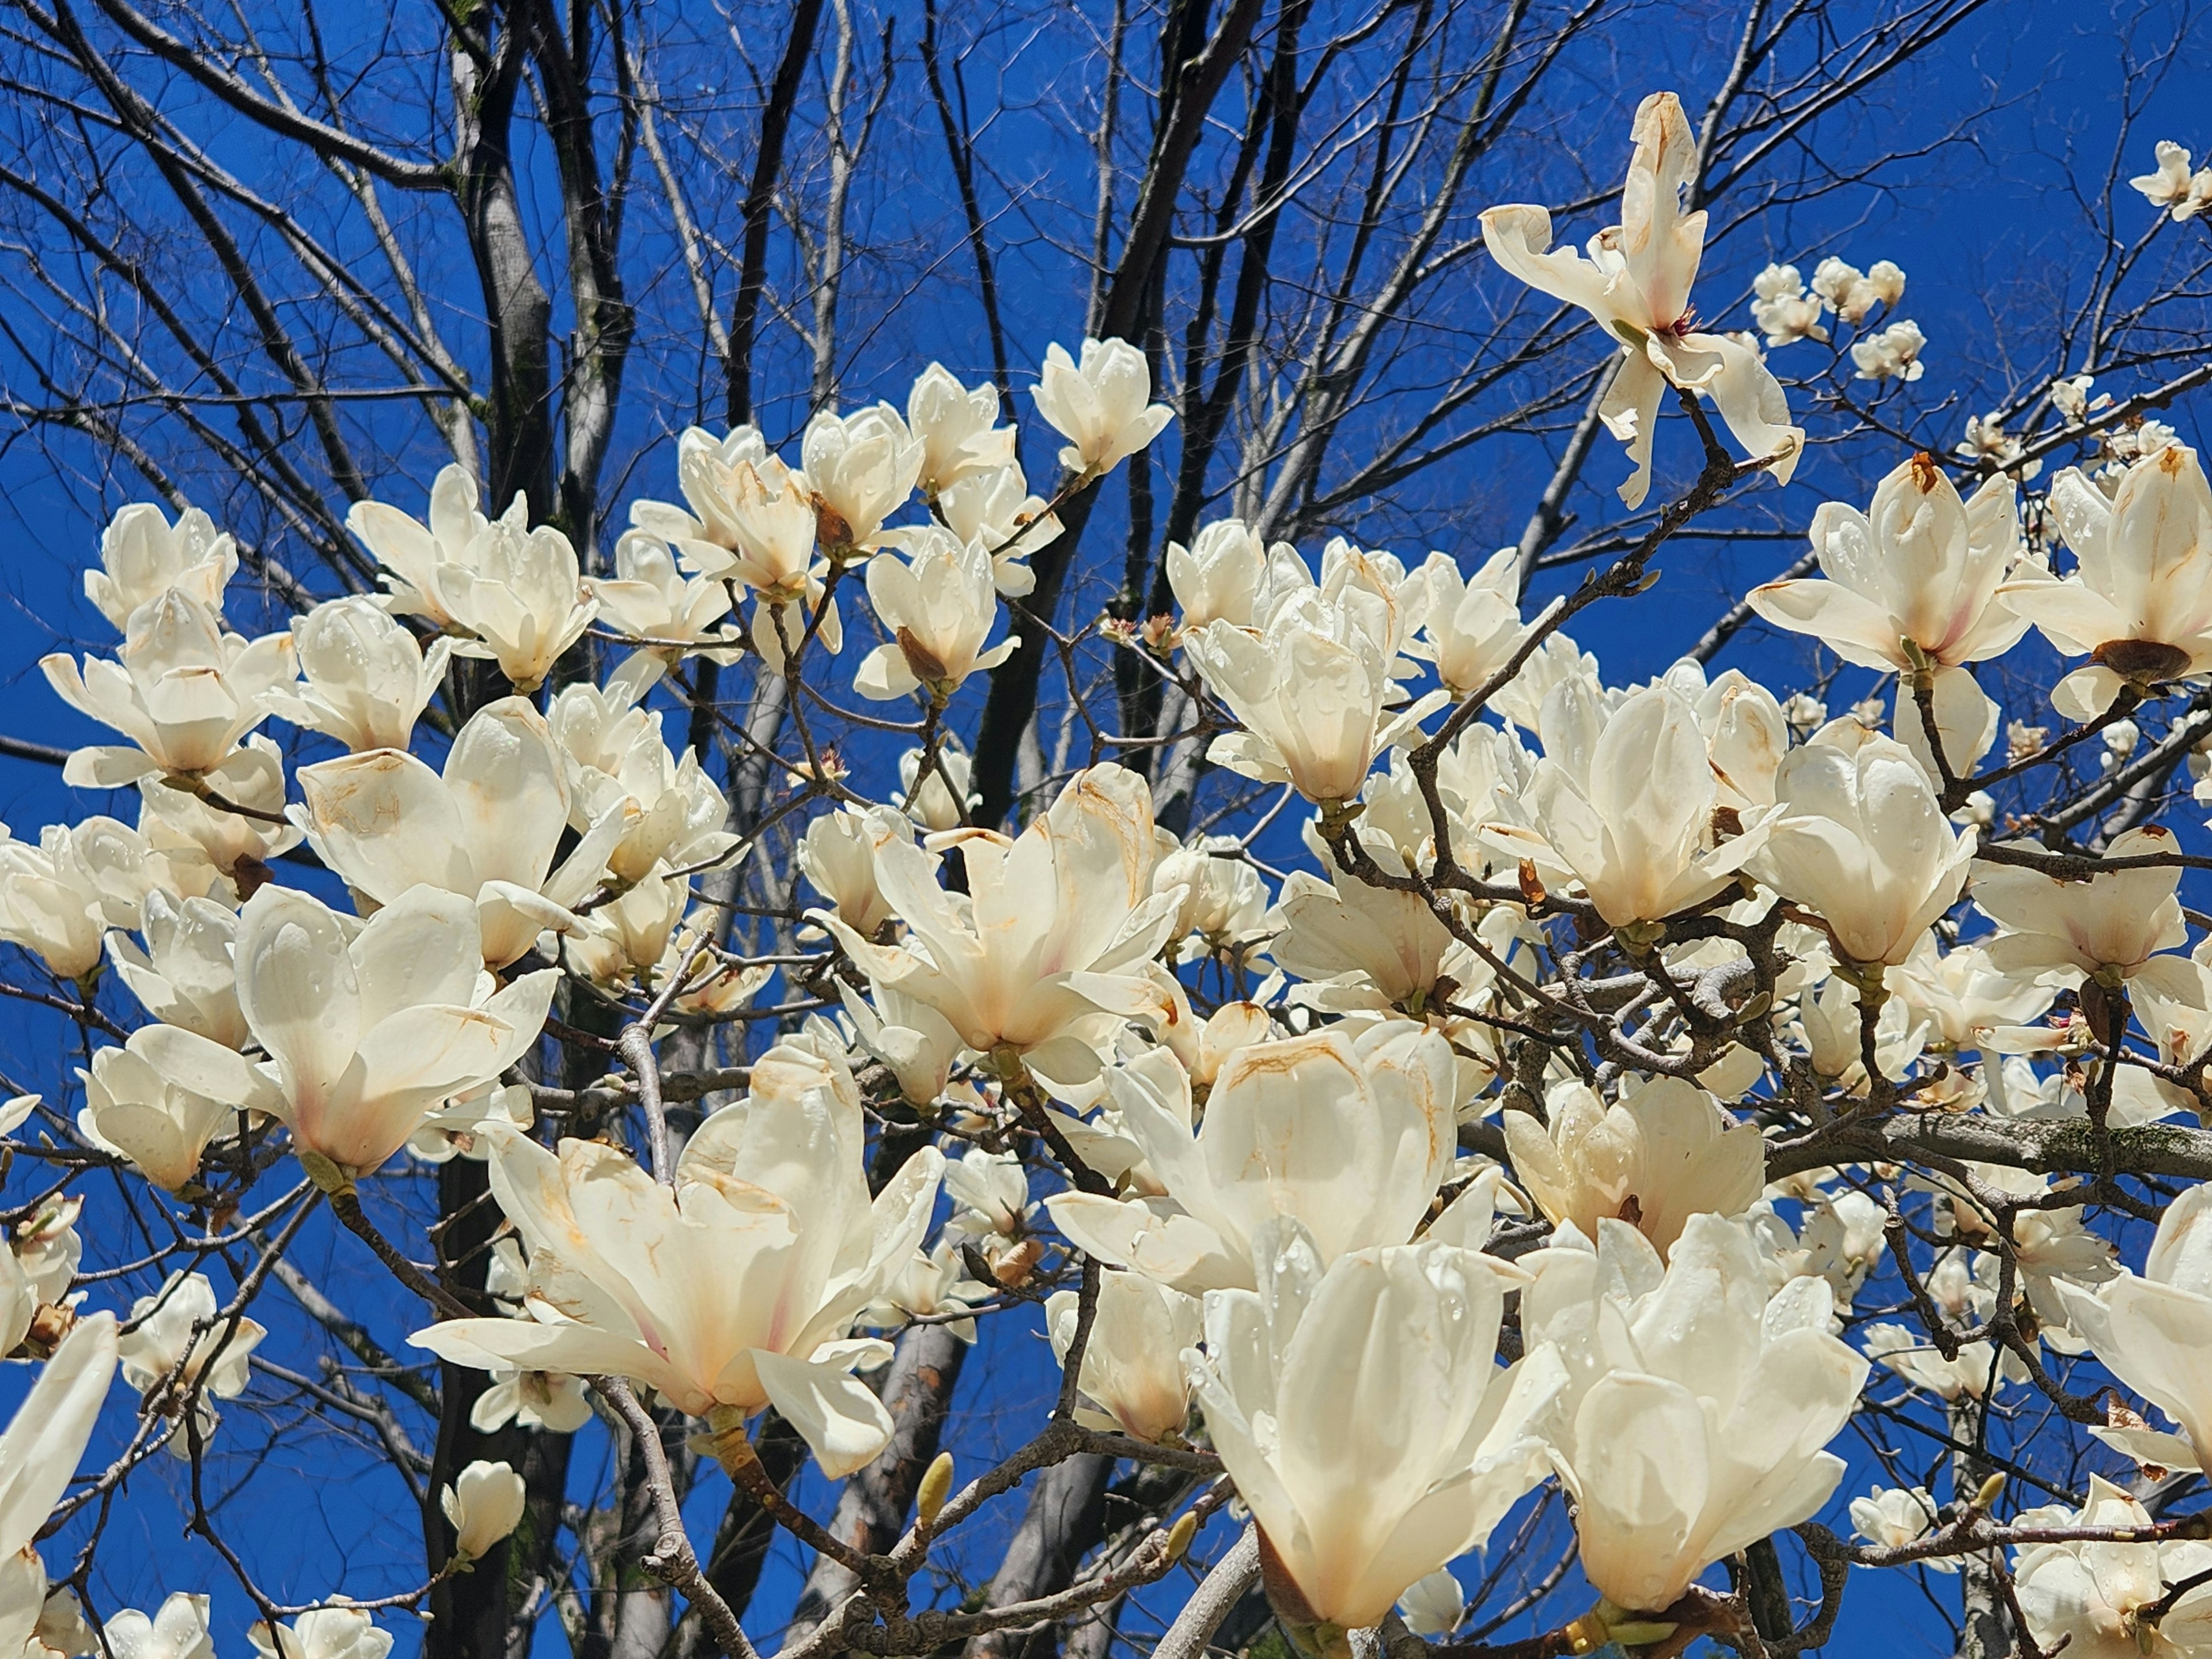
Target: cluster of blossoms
1576, 1049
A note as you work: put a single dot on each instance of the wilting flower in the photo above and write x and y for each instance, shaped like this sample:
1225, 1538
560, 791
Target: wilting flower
2139, 602
484, 1505
938, 604
1889, 1516
38, 1455
2173, 188
182, 1350
862, 468
729, 1290
178, 1630
1891, 355
366, 680
333, 1633
143, 556
1350, 1135
2108, 927
1132, 1369
1623, 802
1698, 1405
1635, 283
1469, 626
671, 614
1912, 582
181, 689
1311, 691
1859, 837
487, 829
1042, 956
959, 428
366, 1031
59, 897
2090, 1596
1102, 406
132, 1109
1659, 1155
1361, 1413
2150, 1330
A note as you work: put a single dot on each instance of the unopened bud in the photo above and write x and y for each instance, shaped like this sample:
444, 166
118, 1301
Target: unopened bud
1181, 1534
936, 1487
1990, 1491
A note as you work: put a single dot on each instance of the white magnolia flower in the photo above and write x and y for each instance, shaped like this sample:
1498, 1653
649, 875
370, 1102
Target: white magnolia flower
958, 429
1979, 1369
837, 855
1912, 582
1893, 354
183, 1351
522, 593
484, 1505
1635, 283
1360, 1411
1851, 293
133, 1109
1859, 837
1102, 406
1891, 1516
181, 689
415, 557
733, 1289
185, 976
707, 530
1133, 1368
486, 830
366, 680
1469, 626
1781, 308
1963, 996
671, 615
1659, 1155
331, 1632
143, 556
2139, 601
939, 603
2173, 188
1351, 1136
1224, 900
2088, 1596
367, 1030
670, 812
931, 803
990, 1193
932, 1283
2109, 928
1220, 577
1041, 955
178, 1630
59, 897
1697, 1405
997, 509
536, 1399
862, 469
38, 1455
1433, 1606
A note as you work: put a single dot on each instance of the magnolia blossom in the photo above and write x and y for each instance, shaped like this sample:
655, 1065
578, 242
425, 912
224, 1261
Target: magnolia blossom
366, 680
1658, 1156
1102, 406
671, 615
861, 468
1913, 581
536, 1399
997, 509
2139, 602
181, 689
1434, 1605
143, 556
1890, 1516
484, 1505
182, 1349
1850, 293
2090, 1596
1349, 1135
1783, 310
1623, 803
669, 810
2173, 188
332, 1632
2108, 927
958, 429
1225, 901
1963, 995
38, 1455
1359, 1408
416, 557
1859, 837
1635, 283
2150, 1330
1698, 1405
1132, 1369
940, 800
178, 1630
1220, 577
133, 1109
486, 829
729, 1290
522, 593
938, 605
1361, 946
1891, 355
1976, 1371
1041, 955
1470, 626
366, 1030
838, 854
59, 897
1310, 689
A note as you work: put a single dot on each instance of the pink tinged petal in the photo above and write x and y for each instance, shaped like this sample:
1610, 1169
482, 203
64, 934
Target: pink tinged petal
1857, 630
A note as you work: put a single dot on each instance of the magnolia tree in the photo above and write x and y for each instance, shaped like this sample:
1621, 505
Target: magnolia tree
1479, 1187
